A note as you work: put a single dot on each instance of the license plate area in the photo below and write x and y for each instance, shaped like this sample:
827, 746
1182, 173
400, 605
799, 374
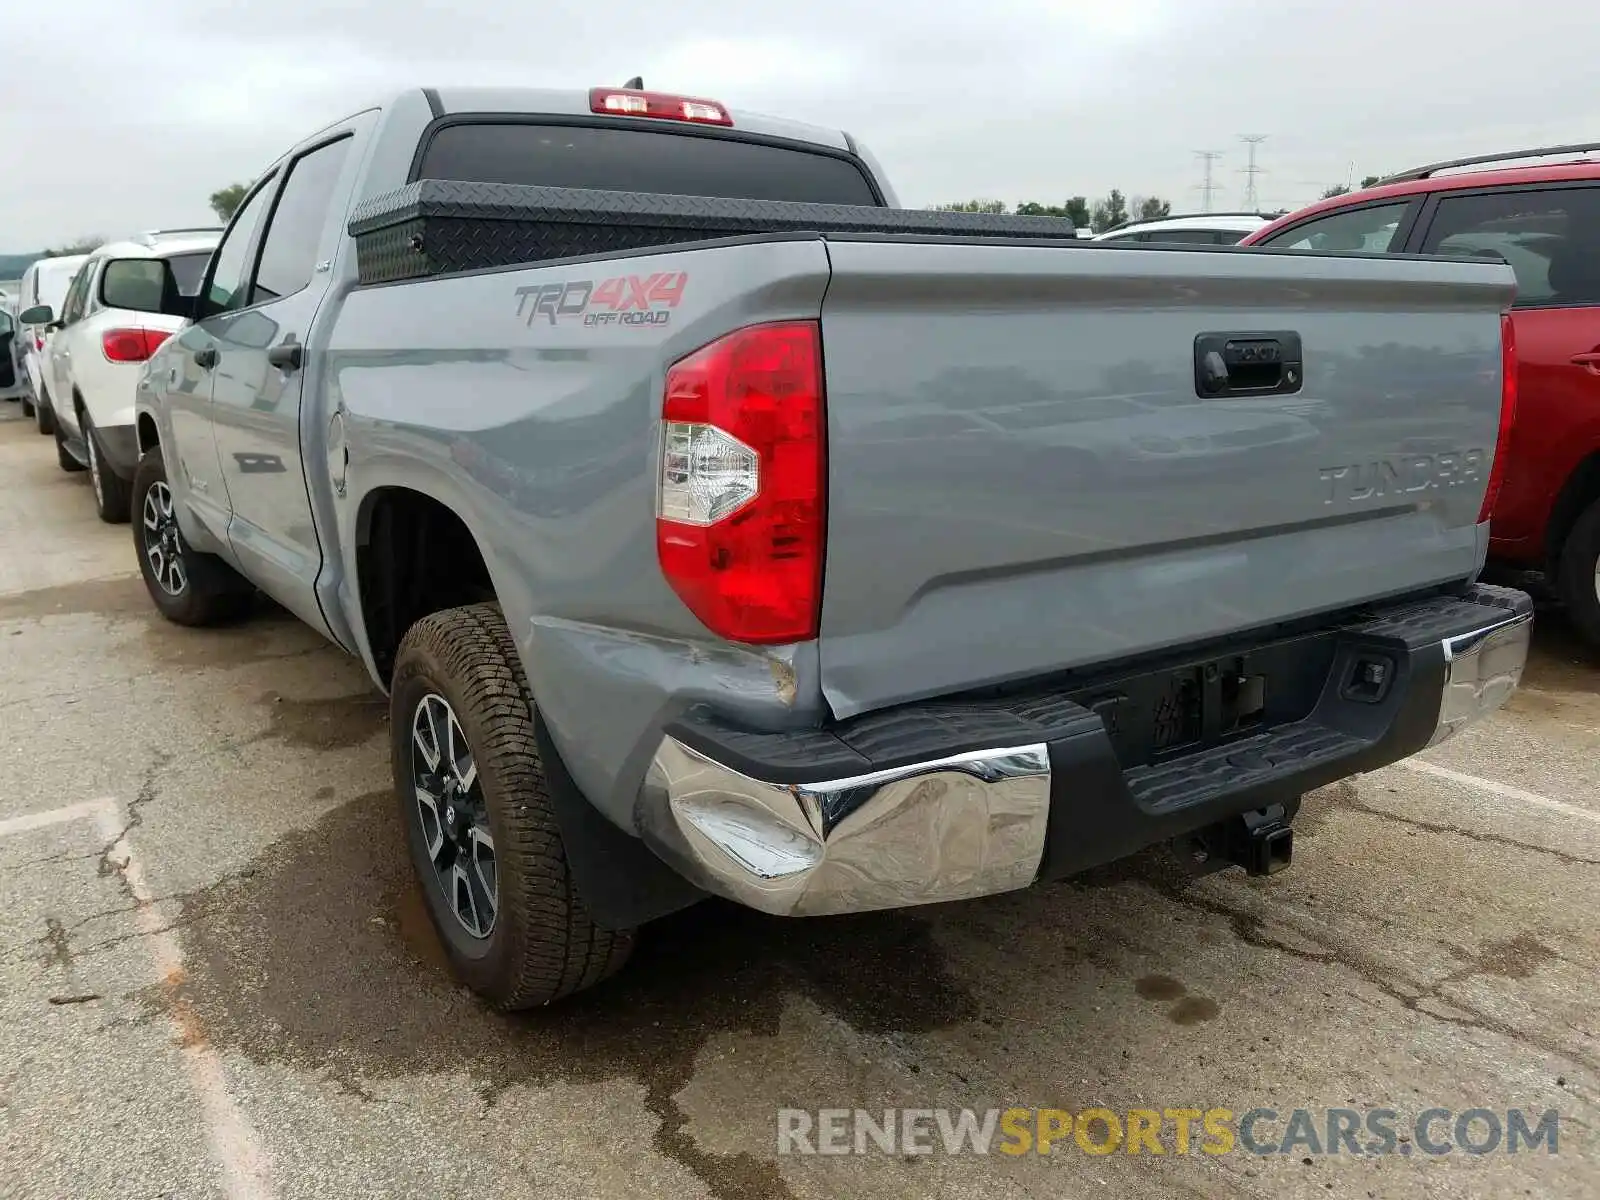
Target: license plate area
1167, 713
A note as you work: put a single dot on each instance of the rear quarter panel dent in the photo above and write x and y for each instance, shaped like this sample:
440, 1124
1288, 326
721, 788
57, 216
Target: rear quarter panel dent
542, 438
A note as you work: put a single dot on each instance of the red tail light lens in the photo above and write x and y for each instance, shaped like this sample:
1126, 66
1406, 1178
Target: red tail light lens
1508, 415
132, 345
740, 507
38, 342
627, 102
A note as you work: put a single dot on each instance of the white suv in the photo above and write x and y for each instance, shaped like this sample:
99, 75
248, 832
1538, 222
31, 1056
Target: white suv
1205, 229
44, 282
121, 306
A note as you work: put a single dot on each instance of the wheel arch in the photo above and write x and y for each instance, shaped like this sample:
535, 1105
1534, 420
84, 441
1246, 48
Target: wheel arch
414, 555
1581, 489
146, 432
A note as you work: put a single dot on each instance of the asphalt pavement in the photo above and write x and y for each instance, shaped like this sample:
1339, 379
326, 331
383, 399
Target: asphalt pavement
216, 977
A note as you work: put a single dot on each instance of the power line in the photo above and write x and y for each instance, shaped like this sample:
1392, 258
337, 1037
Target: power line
1251, 199
1208, 186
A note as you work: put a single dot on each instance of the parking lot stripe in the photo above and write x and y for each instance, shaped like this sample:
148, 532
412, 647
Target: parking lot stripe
234, 1145
1503, 790
54, 816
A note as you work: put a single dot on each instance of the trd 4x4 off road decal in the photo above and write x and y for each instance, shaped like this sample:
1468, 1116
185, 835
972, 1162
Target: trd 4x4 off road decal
622, 300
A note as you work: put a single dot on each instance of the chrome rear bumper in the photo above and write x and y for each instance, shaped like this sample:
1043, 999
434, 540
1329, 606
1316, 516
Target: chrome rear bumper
950, 829
962, 825
1482, 669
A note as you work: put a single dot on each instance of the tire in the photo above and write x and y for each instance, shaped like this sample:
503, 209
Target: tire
1579, 579
206, 590
112, 494
27, 407
540, 943
63, 455
44, 413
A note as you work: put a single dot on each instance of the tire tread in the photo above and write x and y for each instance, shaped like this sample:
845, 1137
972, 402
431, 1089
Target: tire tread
556, 948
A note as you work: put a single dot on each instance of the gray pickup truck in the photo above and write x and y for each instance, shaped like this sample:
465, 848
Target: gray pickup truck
716, 527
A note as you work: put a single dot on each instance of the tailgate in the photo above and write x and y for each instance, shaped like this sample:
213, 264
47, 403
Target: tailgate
1024, 477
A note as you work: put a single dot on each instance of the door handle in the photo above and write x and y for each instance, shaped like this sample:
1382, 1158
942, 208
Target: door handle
206, 358
1590, 360
285, 356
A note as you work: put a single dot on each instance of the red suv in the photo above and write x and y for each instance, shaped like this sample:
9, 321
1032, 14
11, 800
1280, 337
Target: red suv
1544, 221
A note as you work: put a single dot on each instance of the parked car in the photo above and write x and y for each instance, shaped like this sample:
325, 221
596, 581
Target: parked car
1543, 219
592, 422
110, 323
1202, 229
45, 282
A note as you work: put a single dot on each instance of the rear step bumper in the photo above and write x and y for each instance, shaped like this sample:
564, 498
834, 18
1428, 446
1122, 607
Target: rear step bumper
949, 800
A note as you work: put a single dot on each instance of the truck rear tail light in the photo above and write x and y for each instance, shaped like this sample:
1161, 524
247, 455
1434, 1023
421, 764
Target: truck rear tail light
740, 528
132, 345
1508, 416
38, 342
630, 102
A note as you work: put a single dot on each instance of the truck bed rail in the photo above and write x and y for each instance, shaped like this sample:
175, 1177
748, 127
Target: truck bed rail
433, 226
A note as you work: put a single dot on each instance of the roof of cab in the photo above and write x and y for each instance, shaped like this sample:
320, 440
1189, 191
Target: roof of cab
575, 102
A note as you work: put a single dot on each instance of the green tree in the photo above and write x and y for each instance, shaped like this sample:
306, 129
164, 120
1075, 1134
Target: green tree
1152, 208
1075, 210
1113, 210
81, 245
1337, 189
224, 201
972, 206
1371, 180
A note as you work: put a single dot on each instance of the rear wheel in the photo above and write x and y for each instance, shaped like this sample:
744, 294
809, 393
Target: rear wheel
27, 407
190, 588
112, 494
482, 835
1579, 580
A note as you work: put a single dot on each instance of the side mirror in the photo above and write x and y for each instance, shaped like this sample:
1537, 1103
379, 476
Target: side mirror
39, 314
143, 285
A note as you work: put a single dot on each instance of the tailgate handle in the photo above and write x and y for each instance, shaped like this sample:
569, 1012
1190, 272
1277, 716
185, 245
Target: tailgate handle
1247, 364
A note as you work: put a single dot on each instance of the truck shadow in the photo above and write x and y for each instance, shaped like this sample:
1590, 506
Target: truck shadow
320, 955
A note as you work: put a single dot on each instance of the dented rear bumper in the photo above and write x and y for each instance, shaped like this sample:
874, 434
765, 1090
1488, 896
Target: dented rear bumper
955, 799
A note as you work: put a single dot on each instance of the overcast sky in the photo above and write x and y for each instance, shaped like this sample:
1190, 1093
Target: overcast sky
118, 115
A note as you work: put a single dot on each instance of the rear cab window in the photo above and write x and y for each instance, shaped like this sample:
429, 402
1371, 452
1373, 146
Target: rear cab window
670, 162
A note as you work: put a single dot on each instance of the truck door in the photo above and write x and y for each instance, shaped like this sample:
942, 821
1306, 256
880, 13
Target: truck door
188, 385
263, 358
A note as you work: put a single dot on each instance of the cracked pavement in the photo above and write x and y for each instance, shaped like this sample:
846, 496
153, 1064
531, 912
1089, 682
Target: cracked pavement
232, 893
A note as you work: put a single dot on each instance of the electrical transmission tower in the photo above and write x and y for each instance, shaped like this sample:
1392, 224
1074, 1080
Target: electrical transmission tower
1251, 199
1208, 186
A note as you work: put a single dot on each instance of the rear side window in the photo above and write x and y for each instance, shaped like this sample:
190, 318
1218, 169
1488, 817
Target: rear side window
1371, 229
1550, 236
294, 232
633, 160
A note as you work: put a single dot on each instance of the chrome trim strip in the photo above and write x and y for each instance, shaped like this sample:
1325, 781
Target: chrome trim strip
951, 828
